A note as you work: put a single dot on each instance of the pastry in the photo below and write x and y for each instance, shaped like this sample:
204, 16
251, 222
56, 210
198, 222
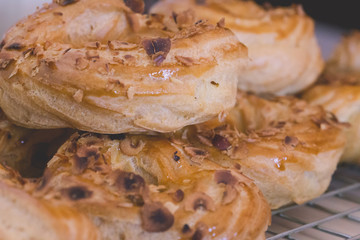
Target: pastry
28, 150
130, 194
338, 91
284, 54
25, 217
101, 67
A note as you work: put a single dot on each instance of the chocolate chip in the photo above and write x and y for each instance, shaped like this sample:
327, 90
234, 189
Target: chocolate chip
137, 6
65, 2
156, 218
77, 193
15, 46
220, 142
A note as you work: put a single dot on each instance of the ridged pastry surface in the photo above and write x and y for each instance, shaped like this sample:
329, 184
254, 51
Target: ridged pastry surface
338, 91
285, 57
100, 67
25, 217
138, 187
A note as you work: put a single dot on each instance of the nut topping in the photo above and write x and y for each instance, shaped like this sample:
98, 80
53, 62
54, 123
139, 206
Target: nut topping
157, 49
131, 146
129, 182
156, 218
199, 200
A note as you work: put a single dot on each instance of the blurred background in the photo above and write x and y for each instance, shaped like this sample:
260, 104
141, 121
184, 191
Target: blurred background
333, 18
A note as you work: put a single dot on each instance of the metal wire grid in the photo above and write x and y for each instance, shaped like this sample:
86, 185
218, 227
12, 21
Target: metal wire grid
333, 216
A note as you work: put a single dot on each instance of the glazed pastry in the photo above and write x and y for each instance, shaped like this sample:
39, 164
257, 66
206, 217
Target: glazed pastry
26, 217
101, 67
135, 187
27, 150
287, 147
285, 56
338, 91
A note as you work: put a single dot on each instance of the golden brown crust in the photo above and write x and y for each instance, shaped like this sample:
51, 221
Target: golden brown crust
285, 56
26, 217
338, 91
102, 68
91, 174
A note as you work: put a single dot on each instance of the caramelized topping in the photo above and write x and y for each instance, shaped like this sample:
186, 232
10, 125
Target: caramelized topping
157, 49
76, 193
65, 2
156, 218
129, 182
137, 6
199, 200
220, 142
178, 196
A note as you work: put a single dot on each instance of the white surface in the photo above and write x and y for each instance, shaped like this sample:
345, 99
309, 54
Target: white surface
12, 11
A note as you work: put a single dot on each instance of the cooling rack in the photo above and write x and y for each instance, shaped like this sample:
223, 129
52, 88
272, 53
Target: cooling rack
333, 216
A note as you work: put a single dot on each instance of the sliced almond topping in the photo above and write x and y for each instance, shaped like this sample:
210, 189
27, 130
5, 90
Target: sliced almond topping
120, 45
78, 96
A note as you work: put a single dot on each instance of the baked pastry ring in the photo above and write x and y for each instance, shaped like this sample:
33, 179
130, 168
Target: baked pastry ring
98, 66
132, 194
338, 91
290, 149
28, 150
26, 217
285, 56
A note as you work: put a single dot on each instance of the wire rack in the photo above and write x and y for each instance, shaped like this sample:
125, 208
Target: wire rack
333, 216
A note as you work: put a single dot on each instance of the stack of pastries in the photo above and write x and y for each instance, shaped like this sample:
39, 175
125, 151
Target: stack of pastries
172, 125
